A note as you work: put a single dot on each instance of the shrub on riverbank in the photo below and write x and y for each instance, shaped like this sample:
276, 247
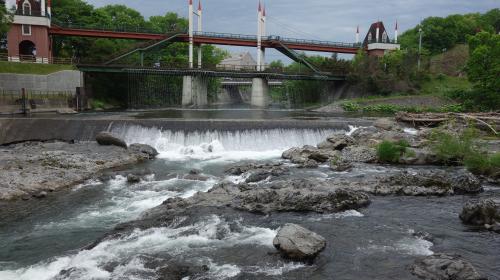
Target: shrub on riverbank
391, 152
462, 149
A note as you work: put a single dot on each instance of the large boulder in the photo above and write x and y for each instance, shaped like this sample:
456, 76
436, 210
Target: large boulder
429, 182
385, 124
299, 196
309, 156
109, 139
144, 150
337, 142
359, 154
298, 243
482, 212
258, 172
445, 267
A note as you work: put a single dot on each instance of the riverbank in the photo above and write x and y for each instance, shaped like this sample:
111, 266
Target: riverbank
34, 169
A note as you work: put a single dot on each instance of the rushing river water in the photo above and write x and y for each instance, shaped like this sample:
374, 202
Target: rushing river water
37, 241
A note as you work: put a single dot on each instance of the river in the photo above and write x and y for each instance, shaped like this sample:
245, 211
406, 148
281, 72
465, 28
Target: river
38, 241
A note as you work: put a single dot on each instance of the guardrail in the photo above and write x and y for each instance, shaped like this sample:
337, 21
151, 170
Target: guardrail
135, 29
141, 29
39, 60
231, 68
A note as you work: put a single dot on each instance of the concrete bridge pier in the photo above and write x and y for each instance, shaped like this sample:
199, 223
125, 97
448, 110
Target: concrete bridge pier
260, 93
194, 91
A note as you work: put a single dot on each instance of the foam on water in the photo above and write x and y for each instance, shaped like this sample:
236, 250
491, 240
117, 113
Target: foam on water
216, 146
340, 215
414, 246
127, 203
211, 232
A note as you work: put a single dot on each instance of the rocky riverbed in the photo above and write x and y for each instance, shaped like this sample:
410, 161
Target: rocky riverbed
328, 208
34, 169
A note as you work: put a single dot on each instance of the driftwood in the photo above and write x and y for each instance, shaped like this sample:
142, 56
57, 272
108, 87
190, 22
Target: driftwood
488, 120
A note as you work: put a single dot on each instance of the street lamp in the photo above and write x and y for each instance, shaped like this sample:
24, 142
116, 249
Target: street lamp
419, 47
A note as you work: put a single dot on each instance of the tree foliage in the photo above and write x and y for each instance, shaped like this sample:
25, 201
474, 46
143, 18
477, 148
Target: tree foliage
483, 69
5, 19
440, 34
121, 17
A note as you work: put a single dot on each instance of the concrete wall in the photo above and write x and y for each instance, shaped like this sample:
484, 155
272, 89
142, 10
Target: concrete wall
67, 80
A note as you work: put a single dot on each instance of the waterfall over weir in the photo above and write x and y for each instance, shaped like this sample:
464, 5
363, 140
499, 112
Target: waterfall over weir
251, 144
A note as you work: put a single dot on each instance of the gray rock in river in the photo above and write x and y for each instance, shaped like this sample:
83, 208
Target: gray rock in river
337, 142
108, 139
131, 178
445, 267
429, 182
482, 212
298, 243
258, 172
195, 175
143, 149
309, 156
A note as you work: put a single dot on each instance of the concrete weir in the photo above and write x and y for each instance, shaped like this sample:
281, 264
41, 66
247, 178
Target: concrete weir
260, 93
14, 130
194, 91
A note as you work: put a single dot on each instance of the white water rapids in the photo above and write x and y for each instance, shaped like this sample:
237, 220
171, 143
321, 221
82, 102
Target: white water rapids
122, 202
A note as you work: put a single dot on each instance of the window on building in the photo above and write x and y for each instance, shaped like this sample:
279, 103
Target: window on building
26, 29
384, 37
26, 7
370, 37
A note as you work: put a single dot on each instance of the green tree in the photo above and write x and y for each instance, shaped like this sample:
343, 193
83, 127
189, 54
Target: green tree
483, 67
5, 19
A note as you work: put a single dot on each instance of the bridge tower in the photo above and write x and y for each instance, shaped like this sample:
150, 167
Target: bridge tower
28, 37
377, 40
194, 88
260, 86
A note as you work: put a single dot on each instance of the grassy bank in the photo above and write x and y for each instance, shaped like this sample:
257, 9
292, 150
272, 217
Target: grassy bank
32, 68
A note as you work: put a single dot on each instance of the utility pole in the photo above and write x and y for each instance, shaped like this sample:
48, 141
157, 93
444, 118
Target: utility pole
357, 35
199, 32
259, 37
263, 34
191, 39
419, 47
396, 33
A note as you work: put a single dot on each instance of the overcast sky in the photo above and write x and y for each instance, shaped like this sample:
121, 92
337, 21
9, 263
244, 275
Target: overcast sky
332, 20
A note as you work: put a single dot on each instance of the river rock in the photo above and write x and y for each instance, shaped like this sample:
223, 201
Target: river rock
258, 172
429, 182
445, 267
131, 178
109, 139
385, 124
337, 142
482, 212
41, 194
340, 165
299, 196
362, 154
195, 175
145, 150
298, 243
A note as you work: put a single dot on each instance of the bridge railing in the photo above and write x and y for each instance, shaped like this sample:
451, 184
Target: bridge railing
232, 68
132, 29
39, 60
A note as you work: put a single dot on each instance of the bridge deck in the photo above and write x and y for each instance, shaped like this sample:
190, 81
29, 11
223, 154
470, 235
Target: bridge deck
214, 39
208, 73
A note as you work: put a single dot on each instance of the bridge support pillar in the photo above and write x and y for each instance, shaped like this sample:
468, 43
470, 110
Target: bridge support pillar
260, 93
194, 91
